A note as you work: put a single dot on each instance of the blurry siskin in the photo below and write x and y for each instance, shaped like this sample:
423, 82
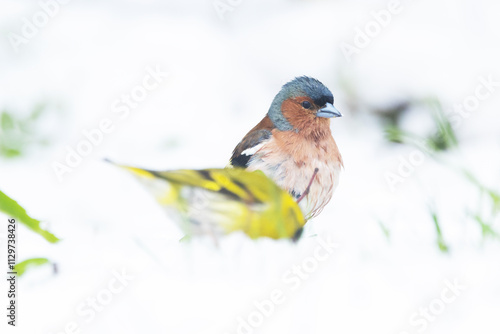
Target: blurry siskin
220, 201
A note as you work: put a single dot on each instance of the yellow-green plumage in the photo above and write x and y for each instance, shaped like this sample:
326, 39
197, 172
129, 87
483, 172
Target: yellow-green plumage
221, 201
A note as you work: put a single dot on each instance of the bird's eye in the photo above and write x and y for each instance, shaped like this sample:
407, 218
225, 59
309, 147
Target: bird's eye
306, 104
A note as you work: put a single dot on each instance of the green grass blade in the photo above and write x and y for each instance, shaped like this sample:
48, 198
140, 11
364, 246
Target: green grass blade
486, 229
14, 210
385, 230
22, 267
440, 240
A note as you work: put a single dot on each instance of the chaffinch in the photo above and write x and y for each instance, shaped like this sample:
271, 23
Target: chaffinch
294, 139
288, 159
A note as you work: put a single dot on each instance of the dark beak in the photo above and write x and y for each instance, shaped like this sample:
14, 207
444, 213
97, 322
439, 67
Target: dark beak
328, 111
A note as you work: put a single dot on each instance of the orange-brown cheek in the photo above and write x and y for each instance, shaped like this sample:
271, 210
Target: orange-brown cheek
293, 109
298, 118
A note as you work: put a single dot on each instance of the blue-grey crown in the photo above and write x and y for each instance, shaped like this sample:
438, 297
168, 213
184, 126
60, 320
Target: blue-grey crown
306, 86
301, 86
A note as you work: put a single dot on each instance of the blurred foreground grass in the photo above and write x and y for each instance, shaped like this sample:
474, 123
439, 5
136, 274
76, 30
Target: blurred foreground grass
19, 133
435, 144
15, 211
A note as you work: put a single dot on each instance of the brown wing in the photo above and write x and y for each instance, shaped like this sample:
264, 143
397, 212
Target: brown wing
260, 133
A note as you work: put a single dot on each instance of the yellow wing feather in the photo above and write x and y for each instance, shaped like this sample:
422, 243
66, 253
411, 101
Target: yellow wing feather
221, 201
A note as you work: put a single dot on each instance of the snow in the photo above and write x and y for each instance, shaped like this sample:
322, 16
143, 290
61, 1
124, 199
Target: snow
222, 76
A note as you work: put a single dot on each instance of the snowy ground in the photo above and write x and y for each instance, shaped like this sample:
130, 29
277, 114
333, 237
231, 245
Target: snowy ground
222, 76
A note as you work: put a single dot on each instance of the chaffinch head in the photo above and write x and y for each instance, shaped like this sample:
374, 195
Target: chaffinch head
293, 140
